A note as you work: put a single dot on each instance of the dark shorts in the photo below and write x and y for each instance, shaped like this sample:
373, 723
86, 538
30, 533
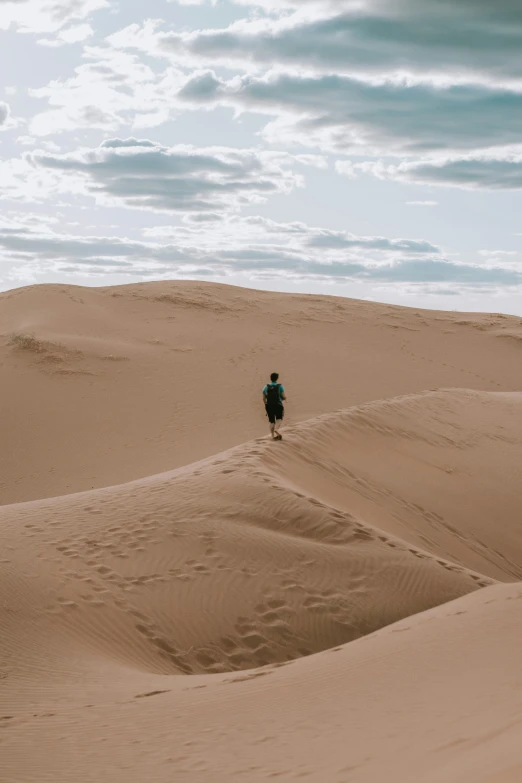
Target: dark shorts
274, 412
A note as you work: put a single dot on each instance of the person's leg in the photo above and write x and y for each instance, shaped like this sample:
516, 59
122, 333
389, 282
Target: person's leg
279, 422
272, 419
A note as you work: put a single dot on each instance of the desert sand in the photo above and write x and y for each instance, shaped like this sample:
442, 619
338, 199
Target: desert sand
183, 599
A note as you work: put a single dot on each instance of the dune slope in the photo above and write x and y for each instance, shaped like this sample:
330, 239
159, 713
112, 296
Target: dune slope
105, 385
433, 698
136, 604
339, 607
222, 565
440, 470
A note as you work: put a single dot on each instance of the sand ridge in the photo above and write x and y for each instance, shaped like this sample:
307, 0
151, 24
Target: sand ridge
106, 385
327, 608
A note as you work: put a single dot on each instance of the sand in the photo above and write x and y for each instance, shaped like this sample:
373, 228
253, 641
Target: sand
183, 599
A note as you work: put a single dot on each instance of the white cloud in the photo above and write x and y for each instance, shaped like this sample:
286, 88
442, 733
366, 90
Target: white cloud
329, 111
470, 38
256, 247
4, 114
469, 172
490, 253
145, 175
24, 182
355, 116
193, 2
112, 89
426, 92
46, 16
69, 35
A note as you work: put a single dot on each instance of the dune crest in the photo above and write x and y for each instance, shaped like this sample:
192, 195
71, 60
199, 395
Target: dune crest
277, 572
440, 470
329, 607
106, 385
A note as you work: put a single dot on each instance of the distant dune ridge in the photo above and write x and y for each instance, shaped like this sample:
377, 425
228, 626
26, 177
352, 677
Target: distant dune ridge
342, 606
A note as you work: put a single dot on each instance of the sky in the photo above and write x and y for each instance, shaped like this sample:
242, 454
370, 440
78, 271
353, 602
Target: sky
362, 148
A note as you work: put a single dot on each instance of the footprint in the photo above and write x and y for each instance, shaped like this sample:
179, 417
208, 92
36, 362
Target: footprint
362, 535
276, 604
254, 641
270, 617
252, 676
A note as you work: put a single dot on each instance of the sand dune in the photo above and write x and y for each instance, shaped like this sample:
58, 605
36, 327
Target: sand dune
328, 608
224, 566
106, 385
439, 470
431, 698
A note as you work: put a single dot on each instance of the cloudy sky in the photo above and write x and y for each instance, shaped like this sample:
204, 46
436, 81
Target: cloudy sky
368, 148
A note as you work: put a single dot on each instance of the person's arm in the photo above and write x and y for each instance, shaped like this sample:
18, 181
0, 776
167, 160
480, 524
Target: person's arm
283, 393
264, 395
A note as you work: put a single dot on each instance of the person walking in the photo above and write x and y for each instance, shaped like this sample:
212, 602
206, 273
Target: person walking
273, 396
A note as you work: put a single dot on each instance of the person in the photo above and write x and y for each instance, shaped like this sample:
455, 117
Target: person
273, 396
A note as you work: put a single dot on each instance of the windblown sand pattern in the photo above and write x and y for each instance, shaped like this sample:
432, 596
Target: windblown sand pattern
341, 606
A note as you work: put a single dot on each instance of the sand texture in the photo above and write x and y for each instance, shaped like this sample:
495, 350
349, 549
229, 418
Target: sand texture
183, 599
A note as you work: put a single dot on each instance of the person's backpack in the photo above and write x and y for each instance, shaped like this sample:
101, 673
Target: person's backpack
273, 394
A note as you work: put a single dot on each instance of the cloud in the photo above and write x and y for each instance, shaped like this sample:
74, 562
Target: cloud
22, 182
323, 242
70, 35
255, 247
353, 115
470, 39
142, 174
47, 16
442, 271
7, 121
471, 172
330, 111
34, 249
4, 114
425, 92
490, 253
112, 88
340, 240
